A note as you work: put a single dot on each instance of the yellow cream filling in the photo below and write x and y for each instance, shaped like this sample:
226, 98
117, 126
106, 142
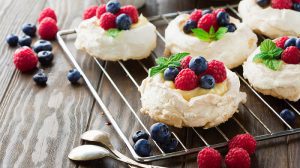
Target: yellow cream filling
142, 21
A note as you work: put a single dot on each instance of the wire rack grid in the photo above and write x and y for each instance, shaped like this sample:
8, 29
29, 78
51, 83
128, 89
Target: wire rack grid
185, 150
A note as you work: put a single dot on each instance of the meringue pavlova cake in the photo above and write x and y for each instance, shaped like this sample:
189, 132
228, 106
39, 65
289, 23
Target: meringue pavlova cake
213, 34
185, 91
274, 68
273, 18
116, 33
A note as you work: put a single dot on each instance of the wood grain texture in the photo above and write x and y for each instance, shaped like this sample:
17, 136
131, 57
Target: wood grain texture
39, 126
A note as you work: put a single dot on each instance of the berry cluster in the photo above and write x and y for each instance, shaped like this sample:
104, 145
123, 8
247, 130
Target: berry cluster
112, 15
208, 18
159, 133
196, 72
280, 4
240, 148
291, 49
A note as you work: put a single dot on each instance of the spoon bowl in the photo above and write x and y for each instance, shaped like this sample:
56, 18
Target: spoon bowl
88, 152
97, 136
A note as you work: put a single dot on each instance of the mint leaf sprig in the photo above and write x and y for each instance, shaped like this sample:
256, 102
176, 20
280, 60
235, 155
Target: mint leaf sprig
269, 55
113, 32
211, 35
163, 63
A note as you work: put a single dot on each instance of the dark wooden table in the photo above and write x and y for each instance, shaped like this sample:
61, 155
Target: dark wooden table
40, 125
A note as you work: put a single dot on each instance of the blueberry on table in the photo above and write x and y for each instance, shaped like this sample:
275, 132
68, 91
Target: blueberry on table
113, 6
223, 18
29, 29
231, 27
290, 42
142, 147
171, 146
45, 57
288, 116
42, 45
73, 76
123, 22
207, 82
296, 6
40, 78
263, 3
12, 40
171, 73
139, 135
206, 11
188, 26
25, 41
160, 133
198, 64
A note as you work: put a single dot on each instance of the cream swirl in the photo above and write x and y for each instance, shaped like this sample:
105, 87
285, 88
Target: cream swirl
233, 49
136, 43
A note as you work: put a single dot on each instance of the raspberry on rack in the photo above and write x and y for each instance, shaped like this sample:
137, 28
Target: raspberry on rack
48, 29
237, 158
245, 141
209, 158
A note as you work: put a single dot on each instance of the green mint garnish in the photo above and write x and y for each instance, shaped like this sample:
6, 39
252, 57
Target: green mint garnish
163, 63
113, 32
269, 55
211, 35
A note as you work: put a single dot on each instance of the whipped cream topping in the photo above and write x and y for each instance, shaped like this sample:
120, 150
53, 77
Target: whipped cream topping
233, 49
165, 104
268, 21
136, 43
283, 83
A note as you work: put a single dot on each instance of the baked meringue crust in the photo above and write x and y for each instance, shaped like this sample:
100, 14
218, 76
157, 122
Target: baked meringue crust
268, 21
166, 105
233, 49
136, 43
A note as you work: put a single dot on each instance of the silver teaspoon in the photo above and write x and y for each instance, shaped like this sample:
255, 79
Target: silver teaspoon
104, 138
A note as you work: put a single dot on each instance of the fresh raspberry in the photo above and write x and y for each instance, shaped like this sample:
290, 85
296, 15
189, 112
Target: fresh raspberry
186, 80
131, 11
237, 158
281, 4
48, 29
185, 62
291, 55
89, 12
245, 141
47, 12
207, 21
108, 21
100, 10
196, 15
280, 42
25, 59
209, 158
215, 12
217, 70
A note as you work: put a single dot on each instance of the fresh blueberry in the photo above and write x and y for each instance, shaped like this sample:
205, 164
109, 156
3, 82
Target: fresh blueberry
296, 7
206, 11
207, 82
171, 146
42, 45
231, 27
113, 6
223, 18
139, 135
142, 147
73, 76
40, 78
189, 25
29, 29
263, 3
290, 42
123, 22
298, 43
12, 40
288, 116
198, 65
160, 133
45, 57
170, 73
25, 41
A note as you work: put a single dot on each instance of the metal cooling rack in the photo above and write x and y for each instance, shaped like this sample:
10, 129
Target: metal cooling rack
184, 150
